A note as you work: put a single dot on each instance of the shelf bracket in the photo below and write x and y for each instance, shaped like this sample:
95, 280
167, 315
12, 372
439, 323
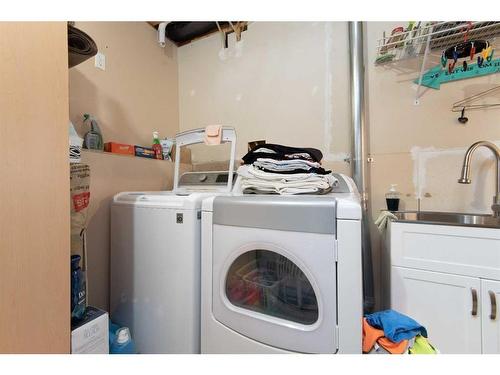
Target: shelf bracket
422, 68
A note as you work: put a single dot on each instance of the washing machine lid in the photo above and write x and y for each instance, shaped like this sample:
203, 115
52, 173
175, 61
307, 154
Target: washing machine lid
193, 188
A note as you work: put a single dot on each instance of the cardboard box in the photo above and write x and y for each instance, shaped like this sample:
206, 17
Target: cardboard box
91, 335
144, 152
119, 148
185, 155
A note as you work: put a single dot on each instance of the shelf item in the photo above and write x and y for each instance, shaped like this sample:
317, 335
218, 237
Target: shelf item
119, 148
437, 75
439, 35
423, 38
81, 46
144, 152
467, 103
75, 144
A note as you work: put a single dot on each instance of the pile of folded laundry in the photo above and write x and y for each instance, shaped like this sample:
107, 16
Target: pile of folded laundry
278, 169
390, 332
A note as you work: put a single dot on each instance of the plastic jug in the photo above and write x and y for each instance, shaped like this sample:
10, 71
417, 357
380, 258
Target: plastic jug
123, 343
93, 138
113, 328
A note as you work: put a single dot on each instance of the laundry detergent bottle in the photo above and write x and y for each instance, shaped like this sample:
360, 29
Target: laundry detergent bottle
392, 198
123, 343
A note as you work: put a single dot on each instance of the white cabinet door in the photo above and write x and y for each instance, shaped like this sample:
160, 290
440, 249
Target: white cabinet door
447, 305
490, 295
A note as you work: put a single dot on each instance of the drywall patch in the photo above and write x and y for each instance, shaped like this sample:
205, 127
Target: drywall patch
421, 157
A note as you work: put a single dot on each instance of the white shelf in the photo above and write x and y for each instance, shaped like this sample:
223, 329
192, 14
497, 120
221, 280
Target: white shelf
439, 35
85, 150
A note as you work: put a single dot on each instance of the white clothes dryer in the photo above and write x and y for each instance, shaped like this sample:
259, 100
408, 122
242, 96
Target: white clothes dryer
155, 256
282, 274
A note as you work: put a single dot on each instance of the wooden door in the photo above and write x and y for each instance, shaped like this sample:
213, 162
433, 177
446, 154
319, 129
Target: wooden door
34, 188
447, 305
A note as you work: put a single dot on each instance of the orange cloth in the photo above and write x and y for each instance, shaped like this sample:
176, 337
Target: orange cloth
373, 335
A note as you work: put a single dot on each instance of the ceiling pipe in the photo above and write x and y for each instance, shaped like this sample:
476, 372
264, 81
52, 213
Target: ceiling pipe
161, 34
359, 157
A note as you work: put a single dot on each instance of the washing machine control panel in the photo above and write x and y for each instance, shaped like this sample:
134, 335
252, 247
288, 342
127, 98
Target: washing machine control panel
204, 178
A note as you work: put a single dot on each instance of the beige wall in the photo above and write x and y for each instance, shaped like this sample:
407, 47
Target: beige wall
136, 94
34, 189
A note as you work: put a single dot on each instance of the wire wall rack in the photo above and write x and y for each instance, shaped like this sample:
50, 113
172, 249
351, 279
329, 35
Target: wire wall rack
423, 38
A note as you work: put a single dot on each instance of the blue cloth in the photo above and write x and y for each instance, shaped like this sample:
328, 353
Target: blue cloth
396, 326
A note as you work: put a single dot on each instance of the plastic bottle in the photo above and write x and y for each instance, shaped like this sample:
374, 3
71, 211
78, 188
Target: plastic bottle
158, 150
113, 328
78, 290
392, 198
167, 145
93, 138
123, 343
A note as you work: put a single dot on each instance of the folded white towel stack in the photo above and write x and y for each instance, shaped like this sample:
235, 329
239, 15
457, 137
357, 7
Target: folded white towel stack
255, 180
278, 169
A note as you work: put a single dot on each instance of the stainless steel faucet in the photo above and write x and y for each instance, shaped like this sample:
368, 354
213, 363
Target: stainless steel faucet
465, 177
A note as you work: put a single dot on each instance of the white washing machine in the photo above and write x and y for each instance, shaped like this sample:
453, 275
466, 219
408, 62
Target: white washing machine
155, 256
282, 274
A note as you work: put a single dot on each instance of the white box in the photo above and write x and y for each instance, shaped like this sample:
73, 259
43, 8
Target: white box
91, 335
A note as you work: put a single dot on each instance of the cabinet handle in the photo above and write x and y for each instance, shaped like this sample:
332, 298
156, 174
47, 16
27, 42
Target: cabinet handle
474, 302
493, 300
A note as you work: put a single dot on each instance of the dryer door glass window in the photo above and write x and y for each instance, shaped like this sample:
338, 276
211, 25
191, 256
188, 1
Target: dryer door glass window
269, 283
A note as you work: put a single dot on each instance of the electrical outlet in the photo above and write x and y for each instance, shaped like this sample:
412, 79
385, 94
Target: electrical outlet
100, 61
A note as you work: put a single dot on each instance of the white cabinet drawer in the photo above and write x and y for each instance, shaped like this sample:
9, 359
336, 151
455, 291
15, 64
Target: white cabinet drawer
443, 248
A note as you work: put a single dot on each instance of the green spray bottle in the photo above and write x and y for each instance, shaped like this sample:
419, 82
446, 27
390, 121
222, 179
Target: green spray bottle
93, 138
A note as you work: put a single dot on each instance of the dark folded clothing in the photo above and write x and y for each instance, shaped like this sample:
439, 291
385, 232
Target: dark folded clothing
321, 171
280, 152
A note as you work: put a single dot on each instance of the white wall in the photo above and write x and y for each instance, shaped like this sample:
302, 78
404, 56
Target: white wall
286, 83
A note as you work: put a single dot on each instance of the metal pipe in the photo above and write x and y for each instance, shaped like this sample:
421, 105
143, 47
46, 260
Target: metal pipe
360, 153
161, 34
